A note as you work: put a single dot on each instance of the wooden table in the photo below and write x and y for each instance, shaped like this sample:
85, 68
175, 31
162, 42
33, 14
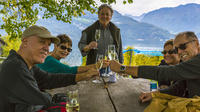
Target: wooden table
121, 96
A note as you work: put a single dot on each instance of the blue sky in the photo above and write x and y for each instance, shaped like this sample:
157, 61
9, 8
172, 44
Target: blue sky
139, 7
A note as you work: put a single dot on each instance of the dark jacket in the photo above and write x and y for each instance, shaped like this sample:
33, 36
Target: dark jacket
176, 88
188, 71
168, 83
115, 32
23, 88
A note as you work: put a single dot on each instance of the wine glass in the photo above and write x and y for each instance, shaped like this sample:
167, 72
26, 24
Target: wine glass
111, 55
111, 52
105, 71
98, 66
97, 35
73, 101
116, 58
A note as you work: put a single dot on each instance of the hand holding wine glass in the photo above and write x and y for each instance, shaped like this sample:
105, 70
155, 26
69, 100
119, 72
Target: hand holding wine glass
102, 64
115, 66
99, 65
91, 45
112, 55
106, 63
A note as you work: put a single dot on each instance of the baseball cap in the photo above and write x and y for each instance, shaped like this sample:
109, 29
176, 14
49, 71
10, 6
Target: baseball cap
39, 31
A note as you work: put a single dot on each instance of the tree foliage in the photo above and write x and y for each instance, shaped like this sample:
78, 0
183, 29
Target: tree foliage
20, 14
10, 44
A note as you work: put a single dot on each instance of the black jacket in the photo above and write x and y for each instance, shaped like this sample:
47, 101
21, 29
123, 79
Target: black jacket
115, 32
188, 71
22, 88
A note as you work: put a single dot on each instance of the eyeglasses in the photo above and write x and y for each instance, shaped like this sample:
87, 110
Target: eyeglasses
169, 52
183, 46
64, 48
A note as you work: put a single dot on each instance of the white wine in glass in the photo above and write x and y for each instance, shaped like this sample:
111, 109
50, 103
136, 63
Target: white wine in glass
111, 52
73, 101
100, 60
97, 34
111, 55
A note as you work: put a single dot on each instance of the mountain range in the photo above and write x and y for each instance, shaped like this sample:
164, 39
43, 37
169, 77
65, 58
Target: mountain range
177, 19
148, 30
133, 33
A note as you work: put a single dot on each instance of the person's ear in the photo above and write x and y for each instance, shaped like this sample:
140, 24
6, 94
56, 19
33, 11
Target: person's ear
24, 39
197, 43
25, 42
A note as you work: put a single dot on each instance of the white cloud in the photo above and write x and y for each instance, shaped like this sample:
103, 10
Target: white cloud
139, 7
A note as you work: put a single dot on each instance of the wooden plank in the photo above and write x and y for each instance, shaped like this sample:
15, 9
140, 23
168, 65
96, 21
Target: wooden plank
92, 97
125, 94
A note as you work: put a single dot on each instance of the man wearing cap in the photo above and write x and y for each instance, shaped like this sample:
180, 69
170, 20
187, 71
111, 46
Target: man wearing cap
21, 82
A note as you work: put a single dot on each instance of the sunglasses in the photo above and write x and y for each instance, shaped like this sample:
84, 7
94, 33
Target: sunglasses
169, 52
183, 46
64, 48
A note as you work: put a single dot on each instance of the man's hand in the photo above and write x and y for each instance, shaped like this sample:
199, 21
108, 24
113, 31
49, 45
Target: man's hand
131, 70
115, 66
100, 65
123, 74
87, 75
144, 97
91, 73
93, 45
106, 63
163, 86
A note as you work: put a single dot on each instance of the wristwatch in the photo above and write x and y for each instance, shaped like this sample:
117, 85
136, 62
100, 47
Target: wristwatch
122, 68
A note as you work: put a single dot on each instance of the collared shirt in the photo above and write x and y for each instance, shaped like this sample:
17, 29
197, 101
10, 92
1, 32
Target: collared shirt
105, 40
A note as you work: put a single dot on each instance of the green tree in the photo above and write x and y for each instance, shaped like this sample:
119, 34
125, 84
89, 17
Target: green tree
20, 14
10, 44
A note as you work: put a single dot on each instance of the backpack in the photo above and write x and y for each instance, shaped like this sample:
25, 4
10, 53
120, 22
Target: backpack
59, 104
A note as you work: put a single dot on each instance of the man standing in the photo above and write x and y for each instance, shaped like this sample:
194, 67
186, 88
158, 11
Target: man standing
22, 83
109, 35
187, 46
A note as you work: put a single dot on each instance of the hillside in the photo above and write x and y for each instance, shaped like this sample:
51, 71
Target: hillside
132, 31
177, 19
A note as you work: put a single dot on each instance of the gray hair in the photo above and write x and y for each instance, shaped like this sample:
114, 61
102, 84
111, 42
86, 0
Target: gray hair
103, 6
188, 34
169, 42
